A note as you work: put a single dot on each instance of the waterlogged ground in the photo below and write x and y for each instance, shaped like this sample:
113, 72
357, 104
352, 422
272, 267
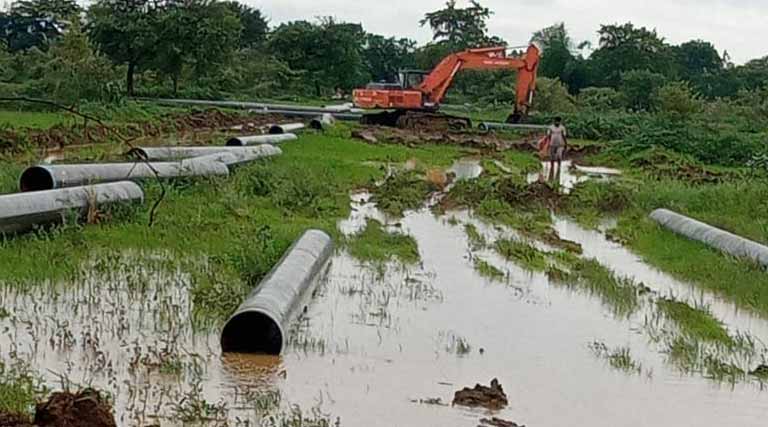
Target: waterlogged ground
379, 345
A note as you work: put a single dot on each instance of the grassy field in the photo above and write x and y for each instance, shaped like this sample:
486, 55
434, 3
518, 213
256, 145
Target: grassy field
36, 120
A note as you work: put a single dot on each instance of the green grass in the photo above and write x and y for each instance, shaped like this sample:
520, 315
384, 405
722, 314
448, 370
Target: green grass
619, 358
19, 389
401, 192
522, 253
696, 322
35, 120
475, 238
375, 244
488, 270
742, 282
620, 294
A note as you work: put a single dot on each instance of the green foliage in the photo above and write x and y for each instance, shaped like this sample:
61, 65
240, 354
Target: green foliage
19, 389
678, 98
401, 192
254, 25
601, 99
377, 245
640, 88
553, 97
523, 253
488, 270
697, 323
385, 56
459, 28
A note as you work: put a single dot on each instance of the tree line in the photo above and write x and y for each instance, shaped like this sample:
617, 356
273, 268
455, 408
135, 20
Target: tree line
212, 48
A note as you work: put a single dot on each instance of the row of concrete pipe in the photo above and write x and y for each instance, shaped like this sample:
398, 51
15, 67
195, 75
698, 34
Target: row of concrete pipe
261, 323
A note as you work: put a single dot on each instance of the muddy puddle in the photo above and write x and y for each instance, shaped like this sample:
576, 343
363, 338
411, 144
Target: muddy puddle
572, 174
376, 347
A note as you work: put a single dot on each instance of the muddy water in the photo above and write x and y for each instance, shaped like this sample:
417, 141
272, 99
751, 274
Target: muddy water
571, 175
373, 344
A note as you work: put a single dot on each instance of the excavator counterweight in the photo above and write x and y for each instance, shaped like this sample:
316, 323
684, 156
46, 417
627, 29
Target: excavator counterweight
416, 97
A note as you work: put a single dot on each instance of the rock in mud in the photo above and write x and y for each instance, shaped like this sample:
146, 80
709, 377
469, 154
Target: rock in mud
84, 409
497, 422
14, 420
492, 397
366, 136
761, 371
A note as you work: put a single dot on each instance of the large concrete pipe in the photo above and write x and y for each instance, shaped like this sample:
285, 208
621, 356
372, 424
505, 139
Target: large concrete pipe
282, 128
715, 237
260, 323
240, 141
322, 121
249, 105
348, 117
22, 211
241, 154
48, 177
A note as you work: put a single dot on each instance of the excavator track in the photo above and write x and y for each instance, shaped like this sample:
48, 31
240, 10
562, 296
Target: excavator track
417, 120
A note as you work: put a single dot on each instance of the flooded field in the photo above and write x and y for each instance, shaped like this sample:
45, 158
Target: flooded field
380, 345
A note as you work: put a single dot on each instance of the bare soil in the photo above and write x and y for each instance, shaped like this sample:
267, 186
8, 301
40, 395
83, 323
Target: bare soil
14, 420
84, 409
492, 397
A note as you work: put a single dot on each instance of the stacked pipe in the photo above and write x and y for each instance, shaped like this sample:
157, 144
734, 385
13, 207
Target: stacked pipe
48, 190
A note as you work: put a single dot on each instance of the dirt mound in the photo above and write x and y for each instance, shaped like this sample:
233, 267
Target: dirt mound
497, 422
492, 397
84, 409
14, 420
414, 138
61, 135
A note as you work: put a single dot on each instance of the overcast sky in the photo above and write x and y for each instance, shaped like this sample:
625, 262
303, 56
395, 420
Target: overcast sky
738, 26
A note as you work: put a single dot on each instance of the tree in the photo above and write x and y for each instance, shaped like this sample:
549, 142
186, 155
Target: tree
697, 57
678, 99
625, 48
556, 55
552, 97
601, 99
54, 9
330, 53
384, 57
254, 25
125, 31
640, 87
459, 28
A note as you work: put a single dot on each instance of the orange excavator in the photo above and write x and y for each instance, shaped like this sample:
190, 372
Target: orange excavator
414, 100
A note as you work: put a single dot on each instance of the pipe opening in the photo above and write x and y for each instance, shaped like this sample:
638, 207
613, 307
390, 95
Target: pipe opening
137, 153
316, 124
276, 130
252, 332
234, 142
36, 178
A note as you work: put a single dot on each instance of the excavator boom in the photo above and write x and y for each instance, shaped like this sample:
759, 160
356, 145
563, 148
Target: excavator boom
431, 91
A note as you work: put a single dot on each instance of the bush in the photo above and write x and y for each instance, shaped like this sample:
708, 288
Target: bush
601, 99
678, 99
640, 87
552, 97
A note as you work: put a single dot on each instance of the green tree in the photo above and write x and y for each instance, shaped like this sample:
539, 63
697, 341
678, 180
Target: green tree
552, 97
125, 31
384, 56
625, 48
640, 88
697, 57
601, 99
678, 99
75, 72
329, 53
54, 9
460, 28
254, 25
556, 55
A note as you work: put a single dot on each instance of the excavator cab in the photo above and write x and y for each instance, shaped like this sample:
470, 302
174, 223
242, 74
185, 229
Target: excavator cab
406, 79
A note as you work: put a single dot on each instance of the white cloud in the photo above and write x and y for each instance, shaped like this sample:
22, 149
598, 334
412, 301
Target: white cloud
738, 26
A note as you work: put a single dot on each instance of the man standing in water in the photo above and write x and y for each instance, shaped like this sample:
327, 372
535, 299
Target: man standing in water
558, 142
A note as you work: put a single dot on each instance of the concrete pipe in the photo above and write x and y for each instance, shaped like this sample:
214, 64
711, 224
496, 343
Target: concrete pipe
260, 323
49, 177
238, 155
281, 128
322, 122
260, 139
22, 211
724, 241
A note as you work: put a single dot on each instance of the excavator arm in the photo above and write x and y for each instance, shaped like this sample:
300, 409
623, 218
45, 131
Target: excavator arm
436, 84
427, 95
